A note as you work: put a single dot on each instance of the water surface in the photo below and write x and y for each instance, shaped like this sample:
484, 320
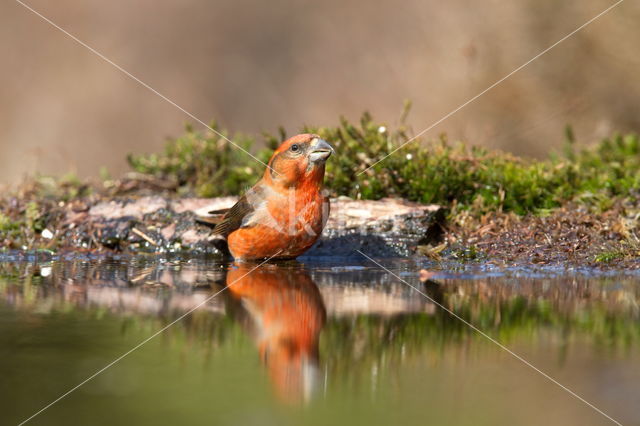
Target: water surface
313, 342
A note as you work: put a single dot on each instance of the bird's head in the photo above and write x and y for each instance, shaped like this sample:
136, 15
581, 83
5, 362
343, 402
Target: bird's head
300, 159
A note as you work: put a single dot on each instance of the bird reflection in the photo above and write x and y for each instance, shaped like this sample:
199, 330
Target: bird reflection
282, 309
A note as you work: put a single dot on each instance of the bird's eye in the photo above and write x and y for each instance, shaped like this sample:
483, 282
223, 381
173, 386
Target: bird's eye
295, 147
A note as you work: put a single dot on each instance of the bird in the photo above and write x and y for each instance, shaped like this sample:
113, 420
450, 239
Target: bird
282, 215
283, 311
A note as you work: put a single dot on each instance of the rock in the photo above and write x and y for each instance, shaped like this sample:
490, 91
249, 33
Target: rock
387, 227
168, 231
136, 208
202, 206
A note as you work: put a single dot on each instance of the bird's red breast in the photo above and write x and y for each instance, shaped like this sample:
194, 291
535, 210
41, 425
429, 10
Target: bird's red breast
284, 213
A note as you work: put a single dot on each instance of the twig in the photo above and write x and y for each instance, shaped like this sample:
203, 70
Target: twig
144, 236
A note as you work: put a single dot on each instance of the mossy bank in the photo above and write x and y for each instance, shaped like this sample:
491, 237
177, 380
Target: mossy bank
494, 200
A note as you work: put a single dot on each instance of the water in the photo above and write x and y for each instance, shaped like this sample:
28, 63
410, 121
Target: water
313, 342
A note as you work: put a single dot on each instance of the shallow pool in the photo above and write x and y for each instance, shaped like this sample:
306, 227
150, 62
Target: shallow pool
314, 342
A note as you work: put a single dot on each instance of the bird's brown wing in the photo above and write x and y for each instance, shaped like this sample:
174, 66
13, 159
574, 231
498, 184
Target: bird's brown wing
232, 220
218, 212
213, 217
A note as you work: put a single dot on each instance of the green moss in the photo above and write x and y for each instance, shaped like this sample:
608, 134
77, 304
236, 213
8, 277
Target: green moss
203, 163
467, 254
609, 256
7, 225
424, 171
64, 188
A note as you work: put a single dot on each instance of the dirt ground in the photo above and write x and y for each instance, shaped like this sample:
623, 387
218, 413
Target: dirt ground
569, 235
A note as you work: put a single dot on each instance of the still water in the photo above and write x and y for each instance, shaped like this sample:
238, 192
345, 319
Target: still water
313, 342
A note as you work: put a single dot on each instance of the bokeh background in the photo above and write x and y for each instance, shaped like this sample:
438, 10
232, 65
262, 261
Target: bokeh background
254, 65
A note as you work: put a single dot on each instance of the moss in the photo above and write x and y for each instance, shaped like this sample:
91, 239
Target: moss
64, 188
429, 172
33, 218
609, 256
467, 254
203, 163
8, 225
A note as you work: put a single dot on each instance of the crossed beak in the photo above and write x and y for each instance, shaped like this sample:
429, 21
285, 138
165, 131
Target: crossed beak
320, 150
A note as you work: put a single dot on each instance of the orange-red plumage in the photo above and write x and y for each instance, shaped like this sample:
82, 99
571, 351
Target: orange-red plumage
286, 314
284, 213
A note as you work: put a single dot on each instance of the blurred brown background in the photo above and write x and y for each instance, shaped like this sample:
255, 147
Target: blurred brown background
254, 65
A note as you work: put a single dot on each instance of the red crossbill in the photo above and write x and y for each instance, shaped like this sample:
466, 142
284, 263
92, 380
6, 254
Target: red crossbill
284, 213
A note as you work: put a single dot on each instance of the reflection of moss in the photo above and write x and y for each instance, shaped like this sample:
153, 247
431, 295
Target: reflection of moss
349, 344
435, 172
603, 311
